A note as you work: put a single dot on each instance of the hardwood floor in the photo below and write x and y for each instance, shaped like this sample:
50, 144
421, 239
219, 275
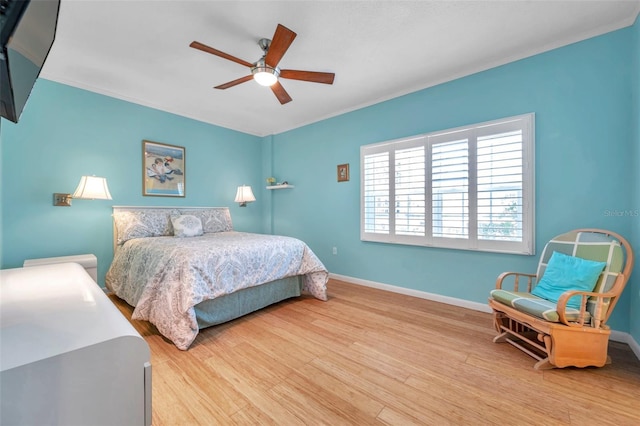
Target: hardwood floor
368, 356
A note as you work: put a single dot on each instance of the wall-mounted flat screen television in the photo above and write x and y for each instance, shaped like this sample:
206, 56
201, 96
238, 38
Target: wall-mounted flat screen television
27, 31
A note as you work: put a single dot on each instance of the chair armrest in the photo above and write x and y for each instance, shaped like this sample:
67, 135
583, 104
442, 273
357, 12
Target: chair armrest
561, 306
516, 282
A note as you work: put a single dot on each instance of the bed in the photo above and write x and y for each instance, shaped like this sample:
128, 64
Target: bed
185, 269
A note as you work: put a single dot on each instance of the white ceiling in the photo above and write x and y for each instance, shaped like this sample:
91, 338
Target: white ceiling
139, 50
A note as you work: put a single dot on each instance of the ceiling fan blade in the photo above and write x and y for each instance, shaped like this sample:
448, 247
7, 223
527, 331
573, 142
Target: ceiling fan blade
312, 76
205, 48
281, 41
234, 82
280, 93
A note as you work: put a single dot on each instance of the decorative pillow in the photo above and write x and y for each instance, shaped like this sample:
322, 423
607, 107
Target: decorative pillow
567, 273
142, 224
213, 220
186, 225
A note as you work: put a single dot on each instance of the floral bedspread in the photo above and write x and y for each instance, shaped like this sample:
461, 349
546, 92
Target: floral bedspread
165, 277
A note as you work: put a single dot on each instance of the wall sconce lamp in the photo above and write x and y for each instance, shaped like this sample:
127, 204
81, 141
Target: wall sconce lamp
244, 195
89, 188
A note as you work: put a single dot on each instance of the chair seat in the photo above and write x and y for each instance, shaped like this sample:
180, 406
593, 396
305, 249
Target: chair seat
533, 305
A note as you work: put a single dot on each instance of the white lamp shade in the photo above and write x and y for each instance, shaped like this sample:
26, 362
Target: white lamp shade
244, 195
92, 188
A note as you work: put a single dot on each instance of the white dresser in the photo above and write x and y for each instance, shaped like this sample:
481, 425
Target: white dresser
67, 355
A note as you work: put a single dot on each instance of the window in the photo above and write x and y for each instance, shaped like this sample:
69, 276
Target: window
467, 188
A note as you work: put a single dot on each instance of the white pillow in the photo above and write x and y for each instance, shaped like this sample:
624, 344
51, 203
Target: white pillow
186, 225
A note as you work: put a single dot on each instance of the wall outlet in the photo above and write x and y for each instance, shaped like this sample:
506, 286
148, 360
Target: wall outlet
335, 250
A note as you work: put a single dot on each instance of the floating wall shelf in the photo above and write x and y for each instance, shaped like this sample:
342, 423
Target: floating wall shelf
280, 186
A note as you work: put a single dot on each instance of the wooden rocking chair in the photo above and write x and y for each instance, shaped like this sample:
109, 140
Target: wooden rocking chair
550, 331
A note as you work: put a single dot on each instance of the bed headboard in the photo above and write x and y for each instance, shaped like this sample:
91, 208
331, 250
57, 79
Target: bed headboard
154, 221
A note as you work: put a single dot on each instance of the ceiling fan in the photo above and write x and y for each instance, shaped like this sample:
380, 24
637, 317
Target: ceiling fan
266, 71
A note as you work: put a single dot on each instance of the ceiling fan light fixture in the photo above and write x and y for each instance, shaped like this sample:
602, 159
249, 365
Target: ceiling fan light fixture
265, 71
264, 75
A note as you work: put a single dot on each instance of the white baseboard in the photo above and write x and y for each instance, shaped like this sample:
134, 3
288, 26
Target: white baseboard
619, 336
616, 336
415, 293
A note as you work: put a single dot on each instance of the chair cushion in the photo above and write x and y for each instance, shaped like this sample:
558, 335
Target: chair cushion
533, 305
564, 273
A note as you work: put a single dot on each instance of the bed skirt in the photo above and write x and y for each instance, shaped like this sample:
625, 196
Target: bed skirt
231, 306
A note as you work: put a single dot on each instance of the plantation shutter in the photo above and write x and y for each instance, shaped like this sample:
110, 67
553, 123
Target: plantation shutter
469, 188
410, 191
450, 187
376, 193
500, 185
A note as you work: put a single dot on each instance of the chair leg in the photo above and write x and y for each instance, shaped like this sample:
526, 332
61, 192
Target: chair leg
501, 338
544, 364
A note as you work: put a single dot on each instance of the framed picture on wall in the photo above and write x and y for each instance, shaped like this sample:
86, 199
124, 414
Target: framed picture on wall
163, 170
343, 172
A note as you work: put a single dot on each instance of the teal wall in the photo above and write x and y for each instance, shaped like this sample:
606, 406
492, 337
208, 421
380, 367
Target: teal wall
580, 95
65, 133
586, 127
634, 291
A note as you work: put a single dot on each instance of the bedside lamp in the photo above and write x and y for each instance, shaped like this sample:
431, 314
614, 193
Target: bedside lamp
244, 195
89, 188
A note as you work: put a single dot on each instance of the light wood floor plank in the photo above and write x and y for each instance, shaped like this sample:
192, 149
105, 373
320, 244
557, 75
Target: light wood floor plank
386, 390
367, 356
255, 392
320, 406
389, 416
341, 397
188, 404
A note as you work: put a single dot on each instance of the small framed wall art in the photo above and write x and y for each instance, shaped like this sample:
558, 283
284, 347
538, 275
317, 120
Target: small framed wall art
343, 172
163, 170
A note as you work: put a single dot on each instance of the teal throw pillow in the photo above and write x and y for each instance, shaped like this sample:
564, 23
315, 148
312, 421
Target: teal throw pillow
567, 273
